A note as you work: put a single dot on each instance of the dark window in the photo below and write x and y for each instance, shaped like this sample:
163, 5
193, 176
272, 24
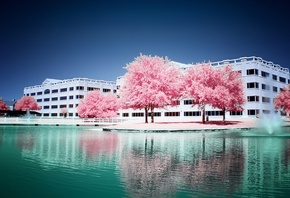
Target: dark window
71, 106
192, 113
71, 88
71, 97
32, 94
187, 102
266, 99
46, 114
62, 106
46, 99
172, 114
53, 114
46, 107
265, 87
274, 77
54, 91
214, 113
62, 98
39, 93
283, 80
54, 106
46, 91
106, 90
137, 114
275, 89
156, 114
39, 100
54, 99
252, 72
253, 98
80, 88
236, 113
253, 111
265, 74
70, 114
253, 85
79, 96
125, 115
91, 88
63, 90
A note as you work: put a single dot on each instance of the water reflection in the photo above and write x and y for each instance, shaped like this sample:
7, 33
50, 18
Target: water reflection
165, 164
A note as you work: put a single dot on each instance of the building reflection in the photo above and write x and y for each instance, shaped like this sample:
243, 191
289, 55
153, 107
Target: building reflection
25, 141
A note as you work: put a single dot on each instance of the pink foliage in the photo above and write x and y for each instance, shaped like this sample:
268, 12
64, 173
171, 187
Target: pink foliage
228, 94
151, 82
219, 87
282, 100
3, 105
97, 105
26, 103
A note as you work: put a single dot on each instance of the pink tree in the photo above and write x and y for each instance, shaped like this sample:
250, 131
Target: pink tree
199, 83
228, 95
151, 82
3, 105
26, 103
97, 105
282, 100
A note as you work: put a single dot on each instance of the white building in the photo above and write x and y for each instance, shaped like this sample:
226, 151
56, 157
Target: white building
262, 81
53, 95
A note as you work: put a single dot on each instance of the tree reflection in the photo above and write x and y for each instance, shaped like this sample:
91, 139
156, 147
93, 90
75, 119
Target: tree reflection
95, 144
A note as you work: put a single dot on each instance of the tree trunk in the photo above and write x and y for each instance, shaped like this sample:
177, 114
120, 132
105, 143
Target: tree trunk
152, 114
146, 112
224, 115
203, 115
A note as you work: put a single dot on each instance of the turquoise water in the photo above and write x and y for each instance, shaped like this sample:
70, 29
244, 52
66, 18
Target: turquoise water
39, 161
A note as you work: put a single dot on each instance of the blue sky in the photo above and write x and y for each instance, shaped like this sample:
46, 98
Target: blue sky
96, 39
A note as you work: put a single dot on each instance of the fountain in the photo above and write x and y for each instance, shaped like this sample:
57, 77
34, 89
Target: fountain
270, 122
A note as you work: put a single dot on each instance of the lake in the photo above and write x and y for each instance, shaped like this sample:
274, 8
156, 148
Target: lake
63, 161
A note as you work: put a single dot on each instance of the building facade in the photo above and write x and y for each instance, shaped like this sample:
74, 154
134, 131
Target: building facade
56, 96
262, 81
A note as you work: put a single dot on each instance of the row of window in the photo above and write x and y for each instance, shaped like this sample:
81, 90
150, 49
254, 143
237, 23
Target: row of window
80, 88
58, 114
59, 106
257, 99
186, 114
60, 98
255, 85
266, 74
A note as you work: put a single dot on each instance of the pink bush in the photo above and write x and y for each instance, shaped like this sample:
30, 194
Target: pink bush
282, 100
3, 105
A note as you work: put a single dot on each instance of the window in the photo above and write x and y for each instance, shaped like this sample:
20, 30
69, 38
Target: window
32, 94
266, 99
54, 91
62, 106
253, 98
80, 88
283, 80
236, 113
192, 113
275, 89
71, 88
137, 114
125, 114
47, 91
70, 106
265, 87
252, 72
39, 93
70, 114
175, 102
63, 90
45, 107
187, 102
54, 115
54, 99
253, 85
172, 114
62, 98
106, 90
253, 111
274, 77
39, 100
46, 99
214, 113
71, 97
92, 88
265, 74
46, 114
79, 96
156, 114
54, 106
